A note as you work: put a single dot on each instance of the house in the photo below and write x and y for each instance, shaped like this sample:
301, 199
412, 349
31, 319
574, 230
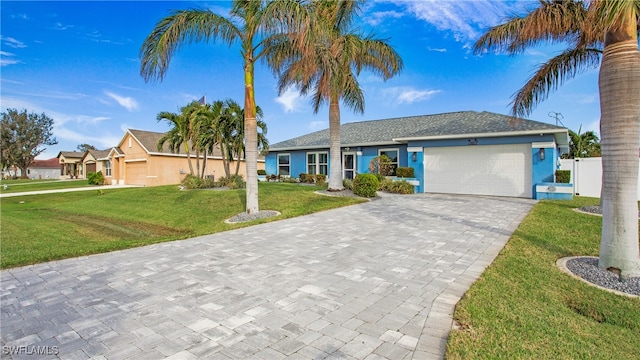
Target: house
97, 160
465, 152
136, 160
71, 164
44, 169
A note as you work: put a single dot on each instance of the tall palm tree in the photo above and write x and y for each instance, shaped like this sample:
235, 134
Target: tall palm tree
244, 25
323, 54
588, 28
178, 135
235, 131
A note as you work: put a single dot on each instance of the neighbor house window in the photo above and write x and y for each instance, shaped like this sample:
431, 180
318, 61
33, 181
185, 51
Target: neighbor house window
107, 168
393, 155
317, 163
284, 164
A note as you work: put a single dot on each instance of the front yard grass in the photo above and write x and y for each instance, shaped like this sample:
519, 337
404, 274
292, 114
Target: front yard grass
524, 307
39, 228
21, 185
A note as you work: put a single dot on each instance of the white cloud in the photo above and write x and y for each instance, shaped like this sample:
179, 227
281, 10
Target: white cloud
409, 95
465, 19
60, 26
442, 50
290, 100
377, 17
11, 42
5, 62
126, 102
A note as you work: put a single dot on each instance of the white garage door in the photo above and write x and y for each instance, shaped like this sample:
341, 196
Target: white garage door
502, 170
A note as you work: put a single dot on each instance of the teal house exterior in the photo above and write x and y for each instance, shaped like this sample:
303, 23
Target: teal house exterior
465, 152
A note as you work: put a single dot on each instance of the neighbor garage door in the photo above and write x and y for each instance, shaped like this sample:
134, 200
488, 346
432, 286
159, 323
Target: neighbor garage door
503, 170
136, 173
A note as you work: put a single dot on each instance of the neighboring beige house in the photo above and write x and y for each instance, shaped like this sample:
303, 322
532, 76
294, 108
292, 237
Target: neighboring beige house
137, 161
97, 160
71, 164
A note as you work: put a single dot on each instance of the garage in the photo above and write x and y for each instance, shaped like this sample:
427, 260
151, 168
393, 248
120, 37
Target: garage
497, 170
136, 173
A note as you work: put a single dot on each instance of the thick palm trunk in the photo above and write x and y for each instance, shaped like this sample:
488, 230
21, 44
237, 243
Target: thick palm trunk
204, 164
620, 129
335, 162
251, 137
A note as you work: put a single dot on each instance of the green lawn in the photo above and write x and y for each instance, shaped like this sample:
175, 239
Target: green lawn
41, 228
524, 307
23, 185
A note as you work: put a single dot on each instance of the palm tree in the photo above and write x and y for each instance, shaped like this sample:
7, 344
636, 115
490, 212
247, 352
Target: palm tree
612, 25
583, 144
248, 18
178, 135
324, 55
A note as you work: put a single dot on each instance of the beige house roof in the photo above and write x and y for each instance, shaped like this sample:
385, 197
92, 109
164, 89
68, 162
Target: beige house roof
71, 154
149, 140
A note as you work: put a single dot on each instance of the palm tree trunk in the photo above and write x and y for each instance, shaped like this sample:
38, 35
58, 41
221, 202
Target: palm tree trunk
225, 160
335, 162
204, 163
251, 137
198, 162
238, 163
186, 149
619, 83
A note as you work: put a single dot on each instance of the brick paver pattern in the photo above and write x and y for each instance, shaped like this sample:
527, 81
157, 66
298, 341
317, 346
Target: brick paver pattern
372, 281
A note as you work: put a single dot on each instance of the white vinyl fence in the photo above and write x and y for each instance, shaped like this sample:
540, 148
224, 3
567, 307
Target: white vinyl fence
586, 175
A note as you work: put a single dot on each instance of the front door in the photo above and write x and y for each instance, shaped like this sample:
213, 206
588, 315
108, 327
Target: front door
348, 165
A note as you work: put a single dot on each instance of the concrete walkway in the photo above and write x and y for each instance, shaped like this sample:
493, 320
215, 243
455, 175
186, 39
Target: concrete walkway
372, 281
86, 188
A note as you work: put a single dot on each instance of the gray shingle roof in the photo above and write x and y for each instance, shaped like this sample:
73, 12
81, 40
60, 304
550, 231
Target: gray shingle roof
448, 124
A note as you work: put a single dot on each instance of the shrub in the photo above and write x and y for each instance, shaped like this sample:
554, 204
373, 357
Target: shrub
406, 172
400, 187
381, 165
385, 184
306, 178
232, 182
321, 180
365, 185
262, 172
95, 178
191, 182
563, 176
348, 184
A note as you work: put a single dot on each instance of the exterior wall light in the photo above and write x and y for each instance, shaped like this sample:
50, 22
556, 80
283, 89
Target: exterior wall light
414, 156
541, 153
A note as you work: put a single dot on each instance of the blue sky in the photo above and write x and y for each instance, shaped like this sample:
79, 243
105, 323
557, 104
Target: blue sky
78, 63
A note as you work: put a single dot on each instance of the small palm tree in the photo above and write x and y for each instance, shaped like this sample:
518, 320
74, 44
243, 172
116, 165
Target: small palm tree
583, 144
178, 135
323, 55
248, 19
588, 28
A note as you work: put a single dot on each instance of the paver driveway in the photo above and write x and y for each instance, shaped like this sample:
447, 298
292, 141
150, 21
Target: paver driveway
371, 281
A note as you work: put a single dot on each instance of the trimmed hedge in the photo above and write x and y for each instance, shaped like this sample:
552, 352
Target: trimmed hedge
563, 176
405, 172
365, 185
262, 172
318, 179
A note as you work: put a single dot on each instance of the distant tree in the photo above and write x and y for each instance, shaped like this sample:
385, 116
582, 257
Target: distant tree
85, 147
583, 144
22, 136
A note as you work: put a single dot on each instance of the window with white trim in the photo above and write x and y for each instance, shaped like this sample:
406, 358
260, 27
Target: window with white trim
284, 164
107, 168
318, 163
392, 154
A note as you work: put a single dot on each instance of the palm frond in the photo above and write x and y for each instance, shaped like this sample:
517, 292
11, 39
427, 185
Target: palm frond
552, 74
180, 28
553, 21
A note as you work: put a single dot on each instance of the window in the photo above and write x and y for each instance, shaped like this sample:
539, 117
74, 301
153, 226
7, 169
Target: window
317, 163
284, 164
393, 155
107, 168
